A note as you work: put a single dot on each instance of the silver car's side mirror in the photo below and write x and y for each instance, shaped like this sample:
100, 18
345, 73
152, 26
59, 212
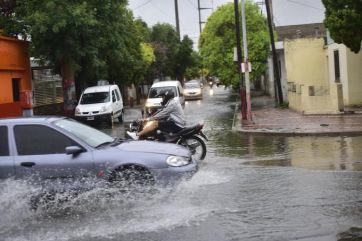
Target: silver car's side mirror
73, 150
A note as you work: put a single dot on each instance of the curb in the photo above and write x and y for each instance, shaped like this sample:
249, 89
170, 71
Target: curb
250, 130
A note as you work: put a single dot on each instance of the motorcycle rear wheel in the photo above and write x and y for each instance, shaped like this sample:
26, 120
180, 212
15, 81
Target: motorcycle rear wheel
197, 147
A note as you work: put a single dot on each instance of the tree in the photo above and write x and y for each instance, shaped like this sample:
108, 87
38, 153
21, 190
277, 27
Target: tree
83, 39
184, 58
193, 71
218, 41
164, 40
343, 18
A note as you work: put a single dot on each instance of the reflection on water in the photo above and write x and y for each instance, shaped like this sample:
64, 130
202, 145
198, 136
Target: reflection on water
211, 92
311, 152
319, 153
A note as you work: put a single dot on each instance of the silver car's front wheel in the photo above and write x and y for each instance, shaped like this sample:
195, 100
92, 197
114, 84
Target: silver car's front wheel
132, 178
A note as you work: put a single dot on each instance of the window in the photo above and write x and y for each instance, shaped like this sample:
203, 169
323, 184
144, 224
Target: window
113, 96
4, 142
118, 98
337, 72
40, 140
16, 90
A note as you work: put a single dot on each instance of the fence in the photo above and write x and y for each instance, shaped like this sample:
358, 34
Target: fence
47, 87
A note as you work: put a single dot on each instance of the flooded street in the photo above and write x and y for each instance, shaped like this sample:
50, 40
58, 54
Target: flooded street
249, 187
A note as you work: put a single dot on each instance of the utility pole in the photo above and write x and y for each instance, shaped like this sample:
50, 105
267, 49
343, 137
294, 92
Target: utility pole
246, 63
200, 29
238, 54
200, 8
275, 60
177, 19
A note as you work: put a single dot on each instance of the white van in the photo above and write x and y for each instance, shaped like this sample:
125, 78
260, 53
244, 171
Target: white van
153, 102
100, 103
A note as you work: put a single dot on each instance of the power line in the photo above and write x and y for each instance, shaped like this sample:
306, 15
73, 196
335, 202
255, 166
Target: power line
305, 5
192, 4
165, 13
143, 4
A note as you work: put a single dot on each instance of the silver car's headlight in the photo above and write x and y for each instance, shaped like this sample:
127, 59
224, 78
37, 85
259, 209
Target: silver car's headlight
177, 161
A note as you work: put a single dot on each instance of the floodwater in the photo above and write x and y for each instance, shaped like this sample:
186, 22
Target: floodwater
248, 188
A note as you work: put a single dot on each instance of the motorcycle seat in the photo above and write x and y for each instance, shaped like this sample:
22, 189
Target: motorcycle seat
187, 130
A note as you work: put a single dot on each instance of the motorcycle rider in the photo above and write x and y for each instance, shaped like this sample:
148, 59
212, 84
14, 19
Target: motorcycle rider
169, 119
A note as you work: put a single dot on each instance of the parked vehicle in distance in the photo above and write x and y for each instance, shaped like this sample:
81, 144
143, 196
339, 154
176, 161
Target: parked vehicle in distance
100, 104
153, 102
66, 154
192, 90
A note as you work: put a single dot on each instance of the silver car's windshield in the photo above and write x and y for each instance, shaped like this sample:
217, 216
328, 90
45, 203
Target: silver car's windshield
192, 86
88, 134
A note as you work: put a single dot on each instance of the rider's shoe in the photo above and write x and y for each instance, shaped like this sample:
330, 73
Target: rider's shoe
133, 135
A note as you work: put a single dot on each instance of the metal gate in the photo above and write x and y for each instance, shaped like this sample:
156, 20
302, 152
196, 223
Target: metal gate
47, 87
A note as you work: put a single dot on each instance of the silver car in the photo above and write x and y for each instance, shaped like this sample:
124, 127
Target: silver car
192, 90
66, 154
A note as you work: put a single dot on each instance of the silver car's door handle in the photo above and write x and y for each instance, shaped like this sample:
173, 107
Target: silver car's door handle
27, 164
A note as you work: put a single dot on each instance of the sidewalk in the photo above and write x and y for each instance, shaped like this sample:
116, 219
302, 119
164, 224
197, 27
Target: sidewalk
277, 121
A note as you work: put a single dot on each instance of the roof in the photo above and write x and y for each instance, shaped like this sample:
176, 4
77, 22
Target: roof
33, 119
166, 83
316, 30
98, 88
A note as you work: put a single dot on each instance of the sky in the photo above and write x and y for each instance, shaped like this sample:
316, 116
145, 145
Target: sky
286, 12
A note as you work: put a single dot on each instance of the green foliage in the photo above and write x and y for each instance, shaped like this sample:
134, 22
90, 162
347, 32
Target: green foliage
164, 40
148, 54
183, 57
172, 56
343, 18
194, 70
284, 105
143, 30
218, 41
96, 38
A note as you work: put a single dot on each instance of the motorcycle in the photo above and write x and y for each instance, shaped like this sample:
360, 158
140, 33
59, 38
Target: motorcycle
190, 137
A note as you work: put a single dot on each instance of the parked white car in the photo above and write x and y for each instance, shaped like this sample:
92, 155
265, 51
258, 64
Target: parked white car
100, 103
153, 102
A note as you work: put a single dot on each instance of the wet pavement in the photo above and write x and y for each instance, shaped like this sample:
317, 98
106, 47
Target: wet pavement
269, 120
249, 187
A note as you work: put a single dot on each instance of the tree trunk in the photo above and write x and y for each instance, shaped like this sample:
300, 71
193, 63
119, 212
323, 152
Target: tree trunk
69, 95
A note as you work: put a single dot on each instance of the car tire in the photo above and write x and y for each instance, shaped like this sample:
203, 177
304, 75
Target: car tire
110, 120
120, 118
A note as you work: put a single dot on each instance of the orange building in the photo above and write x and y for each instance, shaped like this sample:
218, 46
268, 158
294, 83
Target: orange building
15, 77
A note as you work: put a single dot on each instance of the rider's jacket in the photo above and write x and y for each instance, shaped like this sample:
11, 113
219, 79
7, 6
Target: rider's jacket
172, 112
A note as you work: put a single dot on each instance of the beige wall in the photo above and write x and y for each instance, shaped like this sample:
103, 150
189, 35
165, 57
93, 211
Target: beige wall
354, 75
350, 71
310, 91
305, 61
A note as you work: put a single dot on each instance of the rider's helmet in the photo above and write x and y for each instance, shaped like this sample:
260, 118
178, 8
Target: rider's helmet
166, 94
